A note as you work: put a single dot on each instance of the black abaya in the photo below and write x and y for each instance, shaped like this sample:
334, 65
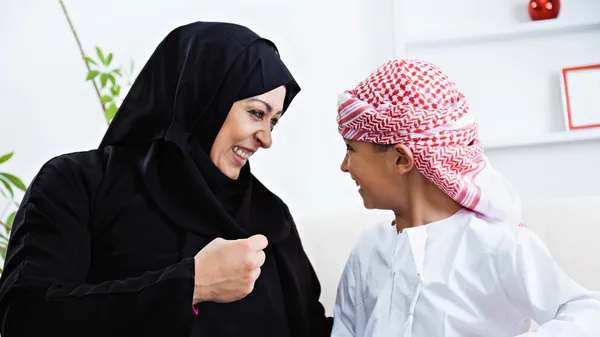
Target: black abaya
104, 241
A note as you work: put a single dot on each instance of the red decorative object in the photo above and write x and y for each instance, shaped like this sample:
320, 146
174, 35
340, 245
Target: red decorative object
543, 9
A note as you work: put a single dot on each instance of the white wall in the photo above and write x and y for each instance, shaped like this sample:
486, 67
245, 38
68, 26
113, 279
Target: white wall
509, 68
47, 109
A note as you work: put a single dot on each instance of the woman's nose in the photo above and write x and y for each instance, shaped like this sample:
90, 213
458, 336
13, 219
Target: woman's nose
264, 138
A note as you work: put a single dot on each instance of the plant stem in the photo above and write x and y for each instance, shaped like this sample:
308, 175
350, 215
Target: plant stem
82, 54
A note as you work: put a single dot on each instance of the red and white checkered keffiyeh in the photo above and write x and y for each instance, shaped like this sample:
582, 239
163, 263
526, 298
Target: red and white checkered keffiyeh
413, 103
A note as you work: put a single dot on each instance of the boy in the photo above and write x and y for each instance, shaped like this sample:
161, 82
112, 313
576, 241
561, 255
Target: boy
456, 260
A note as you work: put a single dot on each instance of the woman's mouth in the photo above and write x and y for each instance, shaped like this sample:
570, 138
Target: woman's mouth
242, 153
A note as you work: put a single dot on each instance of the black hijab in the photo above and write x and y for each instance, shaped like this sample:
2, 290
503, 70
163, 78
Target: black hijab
168, 122
173, 113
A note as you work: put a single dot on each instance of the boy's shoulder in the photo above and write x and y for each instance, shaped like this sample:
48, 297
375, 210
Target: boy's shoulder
504, 237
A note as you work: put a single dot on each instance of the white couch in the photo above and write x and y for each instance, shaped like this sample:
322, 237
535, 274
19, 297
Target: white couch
569, 227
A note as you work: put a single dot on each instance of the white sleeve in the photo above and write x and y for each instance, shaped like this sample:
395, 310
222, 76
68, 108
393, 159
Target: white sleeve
344, 313
541, 290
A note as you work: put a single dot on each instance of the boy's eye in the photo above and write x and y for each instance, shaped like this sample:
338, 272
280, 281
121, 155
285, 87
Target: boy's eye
274, 122
348, 148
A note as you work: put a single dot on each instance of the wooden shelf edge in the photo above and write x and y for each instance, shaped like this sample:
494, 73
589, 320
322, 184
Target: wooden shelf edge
555, 138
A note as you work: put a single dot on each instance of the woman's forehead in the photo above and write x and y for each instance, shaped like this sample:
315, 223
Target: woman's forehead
272, 100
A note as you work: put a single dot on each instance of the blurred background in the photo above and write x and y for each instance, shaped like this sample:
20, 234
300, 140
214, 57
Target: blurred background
506, 58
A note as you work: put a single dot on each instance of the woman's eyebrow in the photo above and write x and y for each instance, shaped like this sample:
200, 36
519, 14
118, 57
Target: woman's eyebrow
267, 105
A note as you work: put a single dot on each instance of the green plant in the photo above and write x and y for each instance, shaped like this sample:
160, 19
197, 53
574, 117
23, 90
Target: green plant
8, 184
108, 82
101, 70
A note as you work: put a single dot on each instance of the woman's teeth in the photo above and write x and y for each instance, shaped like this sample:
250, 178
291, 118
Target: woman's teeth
241, 153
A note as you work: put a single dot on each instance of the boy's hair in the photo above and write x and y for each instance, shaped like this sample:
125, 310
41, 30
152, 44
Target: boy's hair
414, 103
382, 147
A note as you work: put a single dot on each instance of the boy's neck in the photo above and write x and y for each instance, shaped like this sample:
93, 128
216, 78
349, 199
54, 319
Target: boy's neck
426, 204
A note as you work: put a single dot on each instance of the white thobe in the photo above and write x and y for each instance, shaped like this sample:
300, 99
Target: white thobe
460, 276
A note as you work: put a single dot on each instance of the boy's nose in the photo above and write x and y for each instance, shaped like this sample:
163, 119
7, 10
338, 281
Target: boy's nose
344, 166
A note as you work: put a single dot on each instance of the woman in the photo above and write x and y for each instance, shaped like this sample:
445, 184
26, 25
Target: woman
163, 230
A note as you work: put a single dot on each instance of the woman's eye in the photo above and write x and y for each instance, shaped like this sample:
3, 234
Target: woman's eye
260, 115
257, 113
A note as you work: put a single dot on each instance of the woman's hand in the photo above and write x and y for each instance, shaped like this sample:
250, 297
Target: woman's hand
227, 269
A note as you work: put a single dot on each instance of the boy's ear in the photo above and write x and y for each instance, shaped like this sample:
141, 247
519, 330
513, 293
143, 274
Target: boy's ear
404, 159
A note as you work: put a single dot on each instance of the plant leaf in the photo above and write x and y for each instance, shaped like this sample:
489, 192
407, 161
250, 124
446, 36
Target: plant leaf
11, 219
91, 75
117, 71
8, 187
111, 112
105, 99
6, 157
103, 79
112, 79
115, 91
3, 251
15, 181
100, 55
89, 60
108, 59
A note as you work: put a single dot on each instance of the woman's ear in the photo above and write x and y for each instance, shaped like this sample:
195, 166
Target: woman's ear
404, 159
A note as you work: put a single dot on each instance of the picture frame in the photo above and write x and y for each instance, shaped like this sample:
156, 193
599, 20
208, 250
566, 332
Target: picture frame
581, 96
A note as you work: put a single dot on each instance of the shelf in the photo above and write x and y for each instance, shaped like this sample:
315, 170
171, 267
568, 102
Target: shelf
554, 138
521, 30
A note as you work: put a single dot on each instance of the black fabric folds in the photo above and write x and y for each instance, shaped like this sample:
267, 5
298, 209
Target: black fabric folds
104, 241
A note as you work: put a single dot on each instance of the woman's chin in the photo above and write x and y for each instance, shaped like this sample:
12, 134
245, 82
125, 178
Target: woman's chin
231, 172
231, 165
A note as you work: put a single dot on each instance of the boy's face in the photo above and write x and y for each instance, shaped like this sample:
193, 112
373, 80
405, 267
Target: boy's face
379, 174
